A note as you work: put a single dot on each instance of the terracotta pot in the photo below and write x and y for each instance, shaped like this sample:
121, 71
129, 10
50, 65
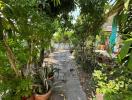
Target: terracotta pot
102, 47
42, 97
45, 96
31, 98
24, 98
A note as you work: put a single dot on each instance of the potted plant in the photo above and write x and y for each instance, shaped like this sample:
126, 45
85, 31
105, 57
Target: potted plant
42, 83
41, 89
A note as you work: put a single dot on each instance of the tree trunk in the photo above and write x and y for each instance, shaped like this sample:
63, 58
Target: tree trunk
41, 57
11, 57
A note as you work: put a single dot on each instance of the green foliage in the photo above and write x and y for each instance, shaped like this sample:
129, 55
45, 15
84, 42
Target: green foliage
26, 32
113, 86
56, 2
118, 96
126, 53
15, 88
91, 17
103, 38
63, 36
114, 81
104, 86
88, 25
125, 48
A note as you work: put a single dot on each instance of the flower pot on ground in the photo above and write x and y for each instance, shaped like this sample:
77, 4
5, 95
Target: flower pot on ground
45, 96
43, 83
42, 90
102, 47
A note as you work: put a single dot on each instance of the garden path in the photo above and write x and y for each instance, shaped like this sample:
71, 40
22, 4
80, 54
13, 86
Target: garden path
68, 85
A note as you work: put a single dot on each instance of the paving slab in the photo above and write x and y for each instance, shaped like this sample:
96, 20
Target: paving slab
68, 86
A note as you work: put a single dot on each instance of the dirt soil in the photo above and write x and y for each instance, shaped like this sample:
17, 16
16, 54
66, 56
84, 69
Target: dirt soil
86, 82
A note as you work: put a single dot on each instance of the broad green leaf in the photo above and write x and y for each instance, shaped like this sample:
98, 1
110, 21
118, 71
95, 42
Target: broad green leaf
1, 5
126, 4
56, 2
130, 62
125, 48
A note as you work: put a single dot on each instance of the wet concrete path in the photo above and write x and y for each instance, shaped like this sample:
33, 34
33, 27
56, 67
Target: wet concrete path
67, 84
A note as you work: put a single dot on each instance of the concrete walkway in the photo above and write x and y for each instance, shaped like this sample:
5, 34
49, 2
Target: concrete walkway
67, 83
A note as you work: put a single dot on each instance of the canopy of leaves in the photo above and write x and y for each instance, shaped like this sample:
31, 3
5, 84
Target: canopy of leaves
24, 32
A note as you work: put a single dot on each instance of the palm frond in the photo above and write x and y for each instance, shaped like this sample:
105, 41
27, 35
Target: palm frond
116, 8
